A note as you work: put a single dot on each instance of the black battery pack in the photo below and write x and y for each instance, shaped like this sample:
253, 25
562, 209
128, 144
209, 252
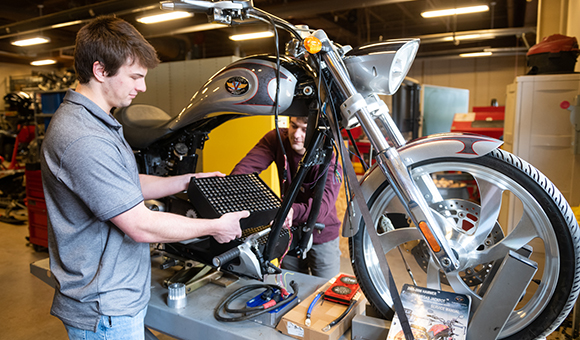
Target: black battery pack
213, 197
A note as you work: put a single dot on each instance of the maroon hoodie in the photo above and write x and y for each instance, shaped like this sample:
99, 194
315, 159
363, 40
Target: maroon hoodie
268, 150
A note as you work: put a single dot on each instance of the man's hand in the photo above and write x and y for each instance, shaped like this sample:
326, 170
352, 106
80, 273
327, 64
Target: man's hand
288, 220
186, 178
229, 226
154, 187
208, 174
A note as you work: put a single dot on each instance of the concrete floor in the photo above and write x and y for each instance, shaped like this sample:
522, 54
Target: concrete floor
26, 300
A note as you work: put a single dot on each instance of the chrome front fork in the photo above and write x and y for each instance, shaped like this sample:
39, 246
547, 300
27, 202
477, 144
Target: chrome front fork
388, 158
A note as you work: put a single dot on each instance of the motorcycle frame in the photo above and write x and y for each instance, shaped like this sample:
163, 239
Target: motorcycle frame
347, 104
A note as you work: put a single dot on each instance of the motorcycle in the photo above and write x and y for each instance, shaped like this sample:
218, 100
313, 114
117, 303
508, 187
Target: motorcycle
17, 129
396, 212
439, 328
443, 329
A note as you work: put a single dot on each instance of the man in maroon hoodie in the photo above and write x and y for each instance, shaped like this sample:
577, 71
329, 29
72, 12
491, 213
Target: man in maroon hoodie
324, 258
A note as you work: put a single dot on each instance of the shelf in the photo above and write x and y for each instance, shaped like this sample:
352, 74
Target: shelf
44, 101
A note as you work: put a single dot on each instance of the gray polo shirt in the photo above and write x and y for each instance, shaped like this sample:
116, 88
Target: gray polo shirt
90, 175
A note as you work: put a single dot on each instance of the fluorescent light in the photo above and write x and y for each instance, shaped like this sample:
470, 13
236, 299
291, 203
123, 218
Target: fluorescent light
153, 19
43, 62
31, 41
463, 37
248, 36
476, 54
66, 24
455, 11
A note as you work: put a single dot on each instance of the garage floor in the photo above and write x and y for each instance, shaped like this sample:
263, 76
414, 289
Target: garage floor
26, 300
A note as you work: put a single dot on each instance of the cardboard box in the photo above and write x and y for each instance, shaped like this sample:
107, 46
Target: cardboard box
292, 323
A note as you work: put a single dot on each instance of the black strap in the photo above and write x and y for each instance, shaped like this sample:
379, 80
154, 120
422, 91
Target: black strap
376, 242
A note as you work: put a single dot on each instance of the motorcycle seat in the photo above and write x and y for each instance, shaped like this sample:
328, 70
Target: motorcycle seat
143, 124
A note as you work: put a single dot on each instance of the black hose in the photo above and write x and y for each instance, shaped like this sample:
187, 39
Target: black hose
251, 312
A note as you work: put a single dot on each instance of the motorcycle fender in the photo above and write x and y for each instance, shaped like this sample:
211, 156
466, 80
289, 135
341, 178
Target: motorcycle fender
455, 145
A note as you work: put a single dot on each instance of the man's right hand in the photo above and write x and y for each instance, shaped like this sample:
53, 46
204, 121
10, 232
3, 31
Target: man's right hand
230, 226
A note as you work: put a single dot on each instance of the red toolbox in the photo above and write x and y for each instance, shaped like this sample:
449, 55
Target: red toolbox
484, 120
37, 215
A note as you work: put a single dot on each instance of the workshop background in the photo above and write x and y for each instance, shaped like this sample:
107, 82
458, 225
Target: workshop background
485, 88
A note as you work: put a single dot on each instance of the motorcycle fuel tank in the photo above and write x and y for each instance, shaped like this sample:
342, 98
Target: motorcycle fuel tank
245, 87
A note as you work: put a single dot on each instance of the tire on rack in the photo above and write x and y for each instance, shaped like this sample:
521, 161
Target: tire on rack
546, 217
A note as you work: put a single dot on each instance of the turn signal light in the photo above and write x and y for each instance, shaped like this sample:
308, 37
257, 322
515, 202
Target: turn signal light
429, 237
312, 44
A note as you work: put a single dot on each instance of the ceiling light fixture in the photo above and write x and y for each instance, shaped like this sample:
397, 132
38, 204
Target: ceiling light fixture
469, 37
31, 41
43, 62
153, 19
462, 37
66, 24
455, 11
249, 36
475, 54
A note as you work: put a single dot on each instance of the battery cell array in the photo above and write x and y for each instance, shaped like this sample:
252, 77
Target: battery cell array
215, 196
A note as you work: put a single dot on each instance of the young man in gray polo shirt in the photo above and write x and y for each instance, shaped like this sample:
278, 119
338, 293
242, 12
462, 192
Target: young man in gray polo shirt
100, 229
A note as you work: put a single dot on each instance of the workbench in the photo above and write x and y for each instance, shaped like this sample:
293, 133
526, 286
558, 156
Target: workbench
196, 320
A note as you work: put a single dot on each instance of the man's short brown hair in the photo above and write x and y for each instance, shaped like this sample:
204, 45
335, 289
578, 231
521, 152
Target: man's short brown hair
303, 119
112, 42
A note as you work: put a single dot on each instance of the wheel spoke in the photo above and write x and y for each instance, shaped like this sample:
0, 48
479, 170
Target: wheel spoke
459, 286
522, 234
397, 237
491, 195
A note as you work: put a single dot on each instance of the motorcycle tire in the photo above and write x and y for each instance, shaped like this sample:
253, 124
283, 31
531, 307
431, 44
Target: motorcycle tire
550, 296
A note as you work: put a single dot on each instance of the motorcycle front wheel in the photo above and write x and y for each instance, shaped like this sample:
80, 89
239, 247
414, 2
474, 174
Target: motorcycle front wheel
522, 211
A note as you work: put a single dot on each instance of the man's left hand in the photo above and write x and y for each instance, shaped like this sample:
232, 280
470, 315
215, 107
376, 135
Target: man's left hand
208, 174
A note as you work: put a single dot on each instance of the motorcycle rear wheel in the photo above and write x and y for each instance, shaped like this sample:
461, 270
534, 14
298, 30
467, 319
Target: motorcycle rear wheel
545, 222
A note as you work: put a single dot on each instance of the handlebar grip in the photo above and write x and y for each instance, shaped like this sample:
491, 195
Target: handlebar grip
226, 257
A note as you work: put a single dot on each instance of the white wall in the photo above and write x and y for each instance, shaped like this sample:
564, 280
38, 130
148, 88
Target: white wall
485, 77
573, 29
171, 85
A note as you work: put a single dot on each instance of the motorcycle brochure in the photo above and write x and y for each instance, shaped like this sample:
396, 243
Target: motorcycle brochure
432, 314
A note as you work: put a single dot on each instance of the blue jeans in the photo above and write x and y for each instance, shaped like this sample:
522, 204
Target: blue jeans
113, 328
322, 260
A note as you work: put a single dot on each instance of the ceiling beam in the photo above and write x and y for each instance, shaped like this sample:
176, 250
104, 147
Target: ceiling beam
339, 33
306, 8
80, 13
409, 15
288, 10
496, 32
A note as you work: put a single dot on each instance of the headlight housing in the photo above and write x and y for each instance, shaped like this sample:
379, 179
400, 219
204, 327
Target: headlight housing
381, 67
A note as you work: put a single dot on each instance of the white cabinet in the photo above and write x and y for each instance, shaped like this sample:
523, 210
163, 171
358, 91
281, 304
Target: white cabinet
539, 131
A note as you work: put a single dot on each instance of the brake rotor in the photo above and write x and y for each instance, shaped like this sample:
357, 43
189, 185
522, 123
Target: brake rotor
466, 217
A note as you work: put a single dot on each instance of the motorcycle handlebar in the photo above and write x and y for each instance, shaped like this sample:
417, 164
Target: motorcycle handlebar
225, 11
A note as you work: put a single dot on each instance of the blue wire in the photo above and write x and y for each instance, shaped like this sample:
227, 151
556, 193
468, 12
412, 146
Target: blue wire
311, 307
